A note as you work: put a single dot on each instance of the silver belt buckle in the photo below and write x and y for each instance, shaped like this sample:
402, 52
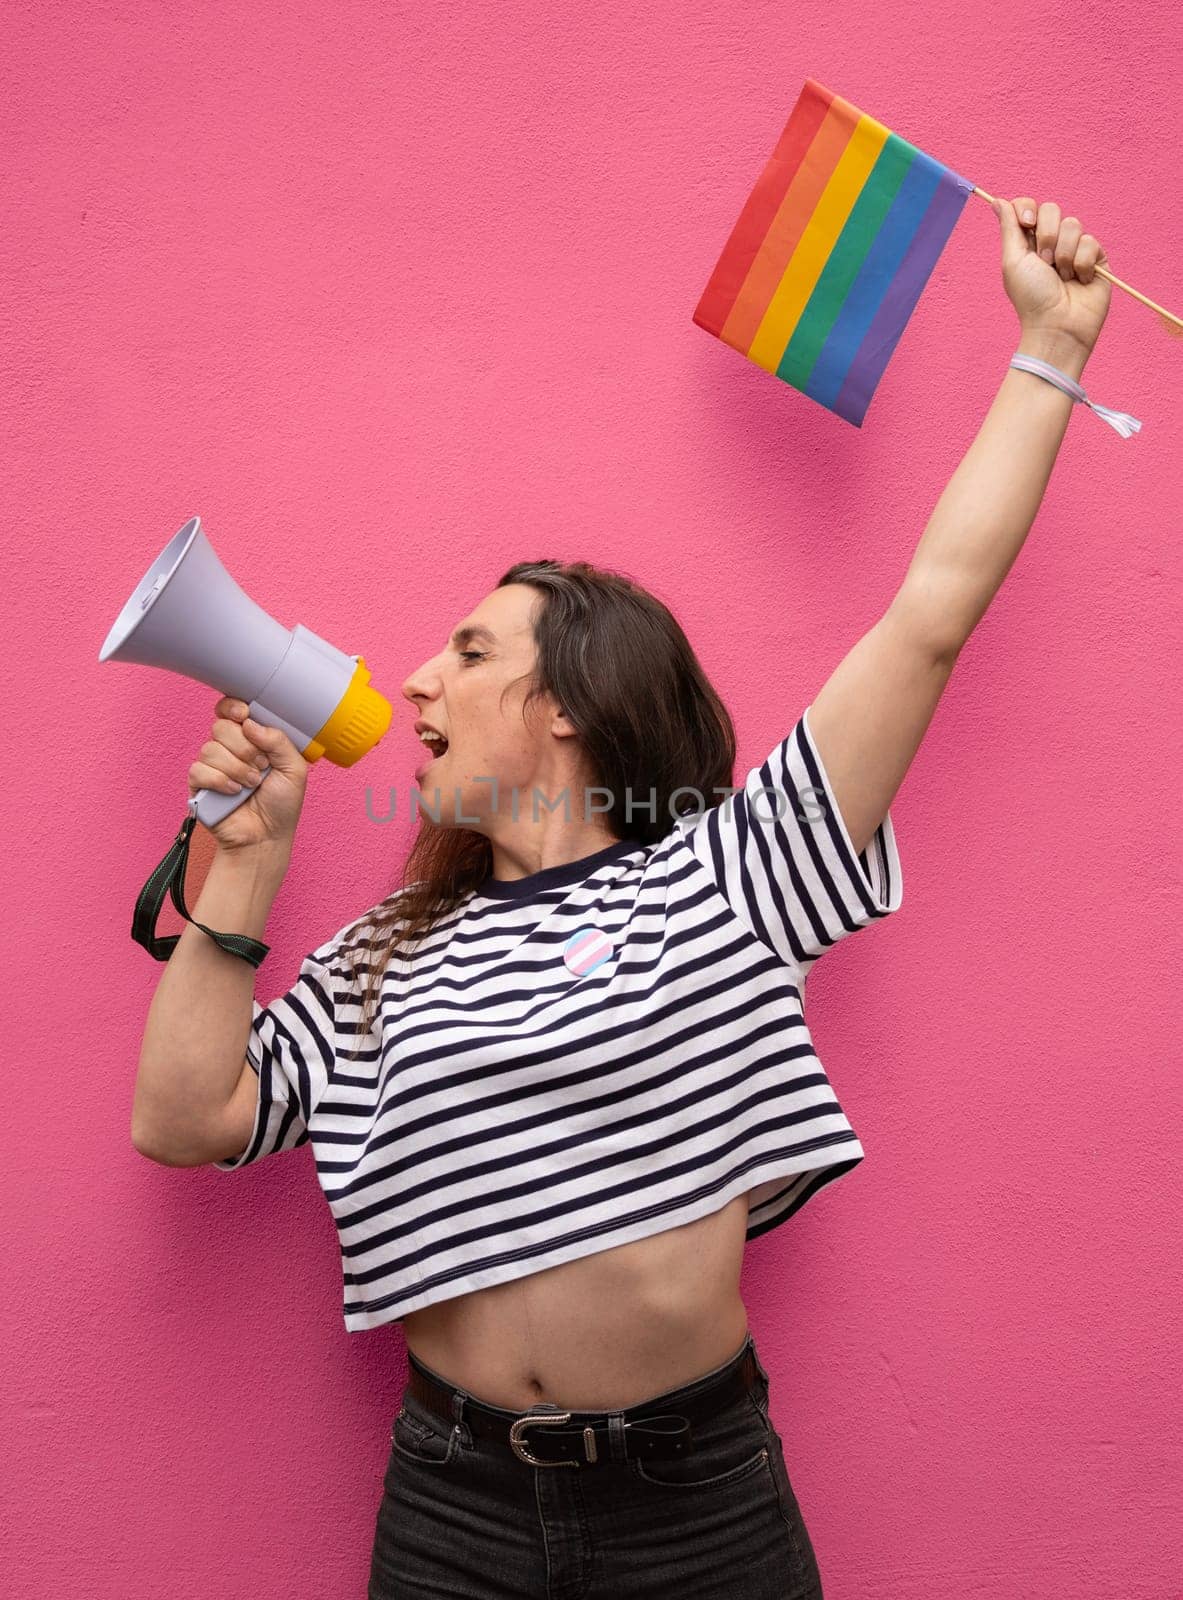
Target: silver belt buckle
517, 1431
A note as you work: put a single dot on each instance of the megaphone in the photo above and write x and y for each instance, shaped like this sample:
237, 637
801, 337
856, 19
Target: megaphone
187, 615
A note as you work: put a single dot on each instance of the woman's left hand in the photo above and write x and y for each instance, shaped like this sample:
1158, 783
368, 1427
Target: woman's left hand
1047, 271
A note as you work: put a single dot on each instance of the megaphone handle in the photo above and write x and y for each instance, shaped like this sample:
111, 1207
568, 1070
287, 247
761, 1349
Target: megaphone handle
211, 805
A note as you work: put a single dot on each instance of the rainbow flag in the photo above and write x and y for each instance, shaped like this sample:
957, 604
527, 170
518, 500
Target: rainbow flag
831, 252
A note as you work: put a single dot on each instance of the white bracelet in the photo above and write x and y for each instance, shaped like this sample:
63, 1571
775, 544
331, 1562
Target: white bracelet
1121, 420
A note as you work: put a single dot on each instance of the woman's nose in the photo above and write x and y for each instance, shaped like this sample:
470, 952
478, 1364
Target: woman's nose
417, 683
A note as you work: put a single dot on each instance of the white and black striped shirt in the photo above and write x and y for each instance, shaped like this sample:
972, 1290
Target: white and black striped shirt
582, 1057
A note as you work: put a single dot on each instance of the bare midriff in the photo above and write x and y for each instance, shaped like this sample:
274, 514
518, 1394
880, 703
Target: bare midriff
599, 1333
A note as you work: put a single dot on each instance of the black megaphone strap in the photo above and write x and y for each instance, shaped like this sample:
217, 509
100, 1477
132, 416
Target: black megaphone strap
169, 877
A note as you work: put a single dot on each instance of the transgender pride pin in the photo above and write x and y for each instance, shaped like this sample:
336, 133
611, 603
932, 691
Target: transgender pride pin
586, 949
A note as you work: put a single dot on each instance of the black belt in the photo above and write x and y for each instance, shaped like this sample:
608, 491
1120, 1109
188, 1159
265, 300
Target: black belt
584, 1436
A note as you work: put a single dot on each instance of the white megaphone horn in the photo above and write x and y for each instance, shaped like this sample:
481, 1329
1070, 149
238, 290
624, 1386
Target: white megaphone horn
187, 615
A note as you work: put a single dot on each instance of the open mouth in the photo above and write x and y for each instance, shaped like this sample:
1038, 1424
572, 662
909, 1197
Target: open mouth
434, 749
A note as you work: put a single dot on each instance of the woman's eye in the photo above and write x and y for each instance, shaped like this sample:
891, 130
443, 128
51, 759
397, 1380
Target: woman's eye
472, 655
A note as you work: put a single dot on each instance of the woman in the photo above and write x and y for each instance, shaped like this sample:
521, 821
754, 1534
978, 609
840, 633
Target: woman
579, 1077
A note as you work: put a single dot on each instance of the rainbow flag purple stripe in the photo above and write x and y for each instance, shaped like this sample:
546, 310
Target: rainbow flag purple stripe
831, 252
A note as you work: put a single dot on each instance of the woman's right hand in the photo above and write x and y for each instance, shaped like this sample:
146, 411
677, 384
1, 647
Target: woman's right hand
270, 813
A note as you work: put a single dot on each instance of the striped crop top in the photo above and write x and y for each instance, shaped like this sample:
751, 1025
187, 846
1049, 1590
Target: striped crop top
581, 1057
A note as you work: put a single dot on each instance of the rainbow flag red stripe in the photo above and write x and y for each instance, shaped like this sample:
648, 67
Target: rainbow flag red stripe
831, 252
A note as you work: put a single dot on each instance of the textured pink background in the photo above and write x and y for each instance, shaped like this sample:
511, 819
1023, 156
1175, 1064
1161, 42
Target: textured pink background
393, 296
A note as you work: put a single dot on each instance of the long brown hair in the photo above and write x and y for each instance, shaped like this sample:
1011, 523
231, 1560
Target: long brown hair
618, 663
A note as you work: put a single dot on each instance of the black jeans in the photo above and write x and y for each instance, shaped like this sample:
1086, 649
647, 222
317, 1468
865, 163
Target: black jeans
464, 1518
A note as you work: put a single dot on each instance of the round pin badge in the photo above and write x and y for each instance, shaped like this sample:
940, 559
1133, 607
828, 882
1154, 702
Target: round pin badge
585, 950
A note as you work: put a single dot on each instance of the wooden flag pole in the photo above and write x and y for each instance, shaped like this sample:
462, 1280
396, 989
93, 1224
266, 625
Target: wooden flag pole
1172, 323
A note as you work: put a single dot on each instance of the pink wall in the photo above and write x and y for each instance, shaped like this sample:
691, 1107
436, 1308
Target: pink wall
393, 296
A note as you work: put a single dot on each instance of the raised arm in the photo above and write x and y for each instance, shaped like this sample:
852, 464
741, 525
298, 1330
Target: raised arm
870, 716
